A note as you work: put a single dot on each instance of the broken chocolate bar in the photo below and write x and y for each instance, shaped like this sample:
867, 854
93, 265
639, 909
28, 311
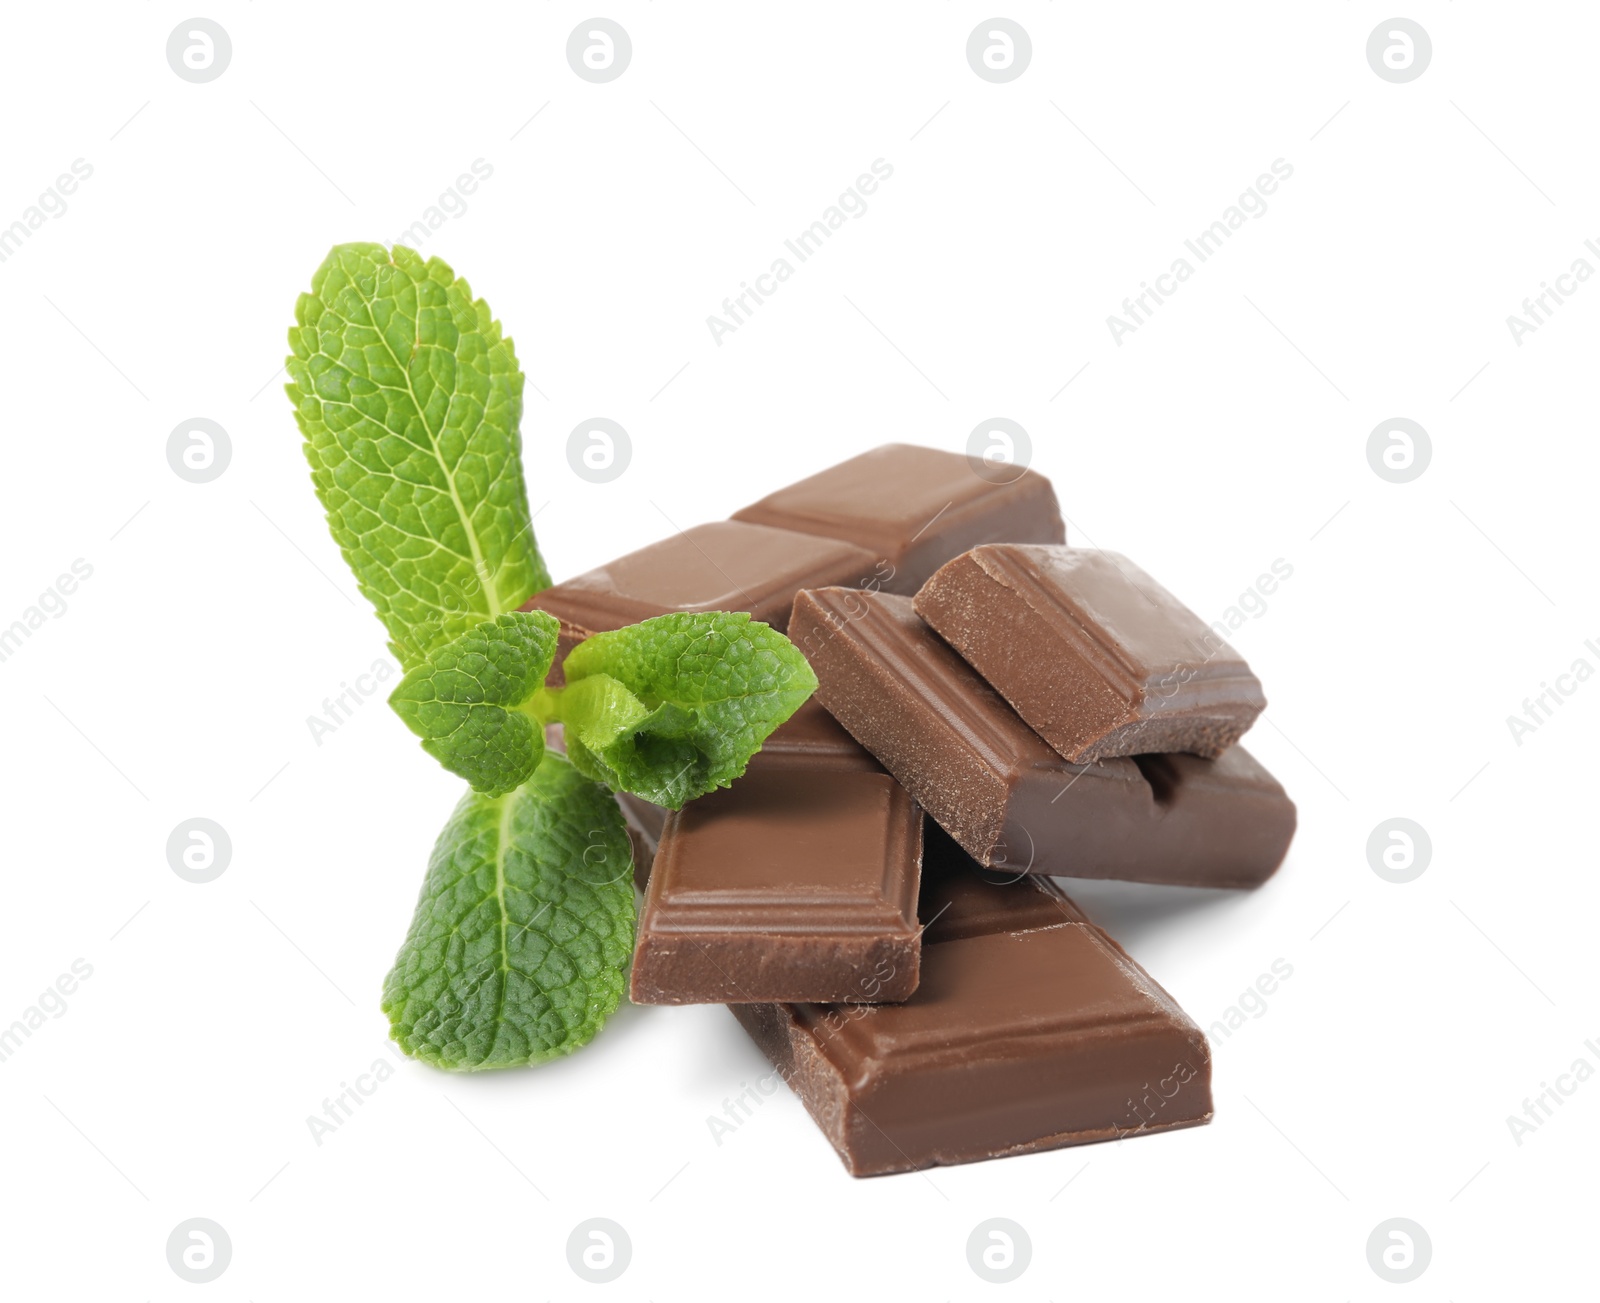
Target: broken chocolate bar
1009, 799
1031, 1030
1094, 654
797, 883
724, 566
913, 508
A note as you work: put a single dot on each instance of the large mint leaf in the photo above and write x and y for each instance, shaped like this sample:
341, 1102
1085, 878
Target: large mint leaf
675, 706
523, 930
409, 398
467, 700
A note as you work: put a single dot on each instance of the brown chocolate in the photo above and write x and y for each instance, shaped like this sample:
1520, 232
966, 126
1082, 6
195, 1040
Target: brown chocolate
913, 509
723, 566
1008, 798
960, 898
799, 882
1031, 1030
1096, 657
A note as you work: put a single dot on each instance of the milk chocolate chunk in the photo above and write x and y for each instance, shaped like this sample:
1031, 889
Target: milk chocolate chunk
723, 566
960, 898
1005, 796
799, 882
1094, 654
1031, 1030
913, 509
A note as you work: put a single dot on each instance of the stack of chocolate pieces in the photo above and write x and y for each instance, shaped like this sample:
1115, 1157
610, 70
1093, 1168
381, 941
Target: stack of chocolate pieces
872, 899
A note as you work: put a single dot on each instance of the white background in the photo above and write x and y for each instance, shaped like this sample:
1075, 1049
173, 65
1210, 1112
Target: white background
1226, 433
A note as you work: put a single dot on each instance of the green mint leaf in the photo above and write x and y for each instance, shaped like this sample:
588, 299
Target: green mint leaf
468, 701
409, 399
598, 709
524, 928
674, 707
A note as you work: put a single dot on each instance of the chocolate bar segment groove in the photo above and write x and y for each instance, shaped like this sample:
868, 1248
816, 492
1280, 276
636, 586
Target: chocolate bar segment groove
797, 883
723, 566
1095, 655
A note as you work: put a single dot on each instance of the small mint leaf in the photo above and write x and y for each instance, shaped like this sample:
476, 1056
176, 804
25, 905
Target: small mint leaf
523, 932
409, 398
597, 710
674, 707
466, 701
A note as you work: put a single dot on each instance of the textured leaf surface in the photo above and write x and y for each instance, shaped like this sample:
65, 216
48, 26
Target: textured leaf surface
680, 702
466, 700
523, 932
409, 398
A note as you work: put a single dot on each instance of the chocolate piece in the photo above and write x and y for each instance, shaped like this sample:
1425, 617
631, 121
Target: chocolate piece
810, 731
799, 882
1002, 793
723, 566
1094, 654
1031, 1030
913, 508
960, 898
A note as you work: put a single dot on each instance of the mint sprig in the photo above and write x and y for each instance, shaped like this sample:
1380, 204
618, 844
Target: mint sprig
409, 398
668, 709
523, 930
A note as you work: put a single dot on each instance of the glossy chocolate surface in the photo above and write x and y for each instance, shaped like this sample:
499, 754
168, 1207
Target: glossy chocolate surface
724, 566
798, 882
913, 508
1007, 797
1091, 652
1031, 1029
